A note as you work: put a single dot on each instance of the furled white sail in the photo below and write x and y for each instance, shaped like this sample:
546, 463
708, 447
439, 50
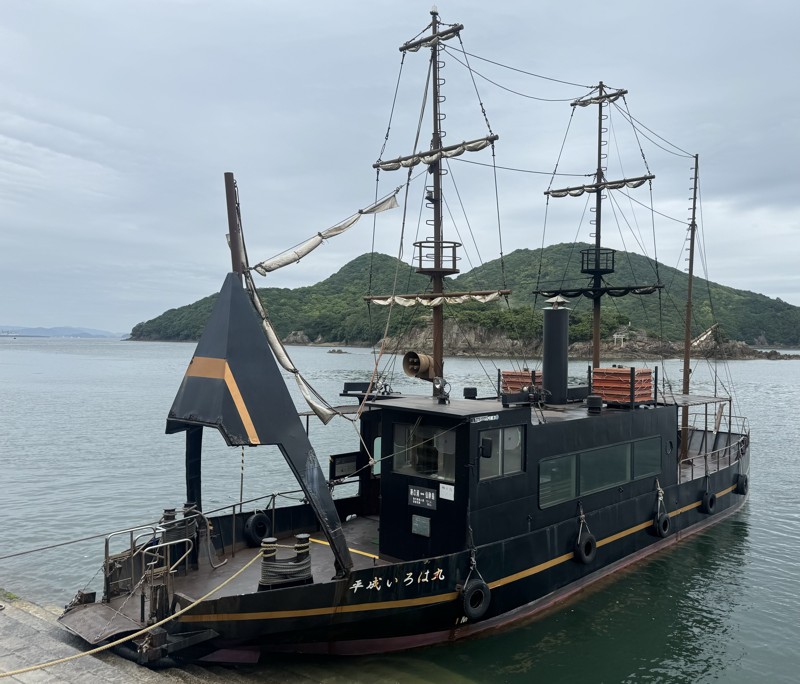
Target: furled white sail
433, 156
292, 256
603, 98
577, 191
323, 412
436, 301
431, 41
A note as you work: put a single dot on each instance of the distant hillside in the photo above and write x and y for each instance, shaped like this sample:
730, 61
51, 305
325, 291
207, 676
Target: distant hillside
20, 331
334, 311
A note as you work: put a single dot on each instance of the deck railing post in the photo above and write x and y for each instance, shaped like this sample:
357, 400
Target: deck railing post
633, 386
233, 531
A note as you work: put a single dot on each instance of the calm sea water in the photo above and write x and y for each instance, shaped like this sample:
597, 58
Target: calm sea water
83, 451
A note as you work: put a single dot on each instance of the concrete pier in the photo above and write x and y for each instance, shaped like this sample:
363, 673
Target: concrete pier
29, 635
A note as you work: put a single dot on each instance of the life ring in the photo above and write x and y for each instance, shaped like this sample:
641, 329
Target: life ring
709, 502
742, 484
256, 527
662, 525
476, 599
586, 549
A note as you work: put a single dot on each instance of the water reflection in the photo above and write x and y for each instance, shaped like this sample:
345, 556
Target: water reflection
667, 619
84, 451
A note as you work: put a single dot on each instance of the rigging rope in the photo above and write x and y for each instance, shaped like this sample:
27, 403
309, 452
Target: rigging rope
522, 71
141, 632
375, 372
377, 187
635, 134
475, 86
462, 160
466, 217
632, 119
502, 87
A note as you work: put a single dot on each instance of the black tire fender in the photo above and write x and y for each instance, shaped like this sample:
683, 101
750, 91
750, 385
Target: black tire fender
663, 525
709, 503
477, 597
586, 549
742, 484
256, 527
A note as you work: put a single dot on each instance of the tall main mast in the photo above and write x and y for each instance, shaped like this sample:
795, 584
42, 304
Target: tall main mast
598, 262
437, 273
435, 256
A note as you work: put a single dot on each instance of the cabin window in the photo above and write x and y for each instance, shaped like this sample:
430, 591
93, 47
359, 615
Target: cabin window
501, 451
557, 479
376, 456
425, 450
604, 468
565, 477
646, 457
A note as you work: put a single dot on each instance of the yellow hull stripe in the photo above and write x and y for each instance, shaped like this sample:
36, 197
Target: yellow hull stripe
218, 369
327, 610
536, 569
426, 600
601, 542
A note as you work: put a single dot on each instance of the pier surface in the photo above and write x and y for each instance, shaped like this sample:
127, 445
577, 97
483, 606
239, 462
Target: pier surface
29, 635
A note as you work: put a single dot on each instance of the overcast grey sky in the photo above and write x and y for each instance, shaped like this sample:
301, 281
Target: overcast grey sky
118, 119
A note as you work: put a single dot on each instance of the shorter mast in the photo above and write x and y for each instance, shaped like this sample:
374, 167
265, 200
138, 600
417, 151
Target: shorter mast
687, 332
598, 262
235, 241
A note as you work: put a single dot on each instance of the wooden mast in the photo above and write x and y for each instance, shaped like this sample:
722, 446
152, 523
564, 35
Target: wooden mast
597, 278
597, 262
234, 229
435, 256
437, 274
687, 332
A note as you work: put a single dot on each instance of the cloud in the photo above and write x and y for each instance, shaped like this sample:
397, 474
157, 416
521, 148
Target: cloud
117, 121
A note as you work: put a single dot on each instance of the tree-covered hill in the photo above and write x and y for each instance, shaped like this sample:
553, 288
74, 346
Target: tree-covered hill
334, 310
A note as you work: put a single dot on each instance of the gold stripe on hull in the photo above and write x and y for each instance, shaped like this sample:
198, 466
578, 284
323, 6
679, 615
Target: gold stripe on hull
427, 600
326, 610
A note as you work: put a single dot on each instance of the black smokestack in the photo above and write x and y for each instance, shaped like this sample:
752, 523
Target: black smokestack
555, 362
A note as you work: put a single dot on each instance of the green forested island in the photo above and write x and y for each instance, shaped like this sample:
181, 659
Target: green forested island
334, 311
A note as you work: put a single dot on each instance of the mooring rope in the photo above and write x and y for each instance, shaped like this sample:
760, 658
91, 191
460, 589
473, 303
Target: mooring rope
105, 647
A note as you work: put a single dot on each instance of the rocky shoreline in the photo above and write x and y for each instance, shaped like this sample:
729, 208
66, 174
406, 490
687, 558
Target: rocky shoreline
474, 341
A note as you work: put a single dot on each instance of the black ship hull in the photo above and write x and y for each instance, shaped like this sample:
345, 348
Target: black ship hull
524, 575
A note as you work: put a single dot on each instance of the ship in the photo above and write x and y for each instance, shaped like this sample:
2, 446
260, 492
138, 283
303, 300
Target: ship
470, 514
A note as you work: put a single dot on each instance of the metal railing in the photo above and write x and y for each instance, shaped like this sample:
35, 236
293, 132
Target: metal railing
703, 461
114, 564
160, 568
120, 570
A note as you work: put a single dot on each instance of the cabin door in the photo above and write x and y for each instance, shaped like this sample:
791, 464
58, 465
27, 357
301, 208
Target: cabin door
424, 488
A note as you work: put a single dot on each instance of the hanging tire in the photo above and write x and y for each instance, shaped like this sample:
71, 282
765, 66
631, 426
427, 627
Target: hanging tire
586, 549
256, 528
709, 503
742, 484
662, 525
477, 596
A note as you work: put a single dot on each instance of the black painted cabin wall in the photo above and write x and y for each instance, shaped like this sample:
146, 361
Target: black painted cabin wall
448, 522
509, 506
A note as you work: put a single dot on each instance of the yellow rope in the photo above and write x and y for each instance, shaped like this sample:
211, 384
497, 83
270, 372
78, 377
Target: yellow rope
105, 647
